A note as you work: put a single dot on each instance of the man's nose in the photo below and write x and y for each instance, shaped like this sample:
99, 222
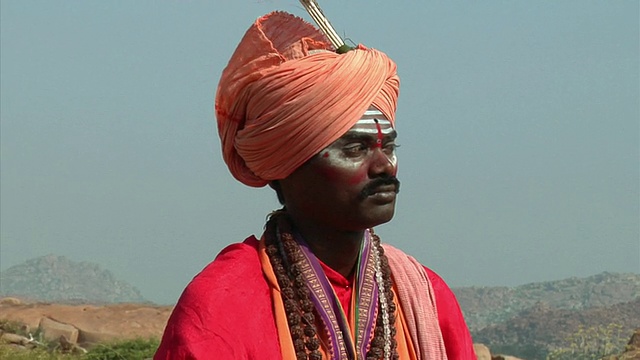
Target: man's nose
382, 163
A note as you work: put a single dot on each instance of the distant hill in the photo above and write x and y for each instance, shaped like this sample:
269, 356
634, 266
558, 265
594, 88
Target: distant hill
57, 279
530, 320
541, 328
484, 306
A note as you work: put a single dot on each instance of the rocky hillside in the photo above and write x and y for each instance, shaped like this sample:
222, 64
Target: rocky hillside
530, 321
57, 279
484, 306
541, 328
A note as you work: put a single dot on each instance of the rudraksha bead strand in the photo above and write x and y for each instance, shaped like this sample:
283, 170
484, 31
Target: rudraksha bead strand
285, 255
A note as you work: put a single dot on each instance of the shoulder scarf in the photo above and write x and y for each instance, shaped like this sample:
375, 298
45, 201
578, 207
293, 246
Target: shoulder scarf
413, 292
418, 302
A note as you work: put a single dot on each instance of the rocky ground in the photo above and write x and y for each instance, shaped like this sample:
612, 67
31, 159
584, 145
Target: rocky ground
86, 325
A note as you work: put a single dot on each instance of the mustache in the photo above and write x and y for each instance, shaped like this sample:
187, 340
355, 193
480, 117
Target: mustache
371, 187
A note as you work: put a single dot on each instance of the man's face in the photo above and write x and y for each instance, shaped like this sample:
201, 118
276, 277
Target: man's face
351, 184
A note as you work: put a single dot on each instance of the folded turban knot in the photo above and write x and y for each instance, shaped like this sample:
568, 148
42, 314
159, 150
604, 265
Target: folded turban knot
283, 97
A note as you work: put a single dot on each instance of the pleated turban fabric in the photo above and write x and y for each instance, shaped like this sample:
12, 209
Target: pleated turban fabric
286, 95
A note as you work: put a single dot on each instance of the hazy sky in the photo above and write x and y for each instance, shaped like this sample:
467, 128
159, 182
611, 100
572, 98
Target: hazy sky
518, 123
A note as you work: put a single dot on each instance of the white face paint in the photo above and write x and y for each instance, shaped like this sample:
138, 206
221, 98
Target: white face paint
371, 136
370, 126
371, 117
351, 184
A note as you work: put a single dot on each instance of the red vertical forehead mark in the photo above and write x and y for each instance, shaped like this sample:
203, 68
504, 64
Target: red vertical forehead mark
380, 137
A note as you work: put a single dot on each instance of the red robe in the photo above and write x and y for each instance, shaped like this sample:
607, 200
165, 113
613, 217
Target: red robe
226, 312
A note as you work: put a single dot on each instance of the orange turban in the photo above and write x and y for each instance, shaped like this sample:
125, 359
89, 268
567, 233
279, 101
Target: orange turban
283, 98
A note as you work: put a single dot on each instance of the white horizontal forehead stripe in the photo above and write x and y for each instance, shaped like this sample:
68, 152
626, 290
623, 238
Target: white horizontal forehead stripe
373, 112
375, 131
372, 116
369, 126
382, 122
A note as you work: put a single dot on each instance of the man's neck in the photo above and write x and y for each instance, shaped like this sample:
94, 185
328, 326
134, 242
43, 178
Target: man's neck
337, 249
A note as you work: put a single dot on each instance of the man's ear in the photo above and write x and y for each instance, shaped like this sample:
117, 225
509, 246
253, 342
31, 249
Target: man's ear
275, 185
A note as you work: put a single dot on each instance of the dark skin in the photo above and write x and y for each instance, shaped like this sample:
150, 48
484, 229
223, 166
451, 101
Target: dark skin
348, 187
337, 249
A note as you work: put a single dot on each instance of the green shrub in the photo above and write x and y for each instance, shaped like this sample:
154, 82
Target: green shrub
137, 349
13, 327
592, 343
8, 353
524, 351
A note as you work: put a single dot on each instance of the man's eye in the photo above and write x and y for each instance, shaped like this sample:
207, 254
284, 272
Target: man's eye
390, 148
355, 149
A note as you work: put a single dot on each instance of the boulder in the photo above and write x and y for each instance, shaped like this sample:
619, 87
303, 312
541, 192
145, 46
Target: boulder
10, 301
69, 347
90, 338
634, 343
632, 350
9, 338
482, 352
95, 323
52, 330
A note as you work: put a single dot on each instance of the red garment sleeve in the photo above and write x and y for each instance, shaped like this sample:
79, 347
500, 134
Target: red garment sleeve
455, 332
225, 313
186, 337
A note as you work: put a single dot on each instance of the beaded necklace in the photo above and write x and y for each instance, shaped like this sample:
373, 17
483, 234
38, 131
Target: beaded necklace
308, 295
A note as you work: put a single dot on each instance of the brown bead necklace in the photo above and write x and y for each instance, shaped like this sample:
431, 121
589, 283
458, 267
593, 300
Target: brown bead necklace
285, 257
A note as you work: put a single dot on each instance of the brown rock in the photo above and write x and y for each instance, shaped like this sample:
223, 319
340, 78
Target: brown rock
630, 355
90, 338
96, 323
634, 343
482, 352
67, 346
9, 338
16, 347
10, 301
632, 351
52, 330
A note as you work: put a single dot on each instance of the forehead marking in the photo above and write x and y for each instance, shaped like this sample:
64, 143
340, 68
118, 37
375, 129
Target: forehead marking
372, 113
375, 126
380, 136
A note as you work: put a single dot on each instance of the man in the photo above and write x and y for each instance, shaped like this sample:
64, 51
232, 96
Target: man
318, 127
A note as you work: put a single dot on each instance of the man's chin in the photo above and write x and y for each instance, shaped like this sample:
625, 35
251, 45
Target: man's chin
382, 216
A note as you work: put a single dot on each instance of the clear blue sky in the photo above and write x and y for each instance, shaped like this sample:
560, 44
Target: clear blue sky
519, 126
